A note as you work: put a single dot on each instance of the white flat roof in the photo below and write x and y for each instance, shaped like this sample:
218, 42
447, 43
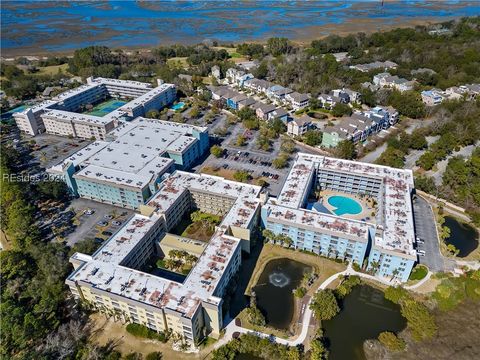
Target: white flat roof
118, 82
397, 215
103, 271
134, 155
68, 116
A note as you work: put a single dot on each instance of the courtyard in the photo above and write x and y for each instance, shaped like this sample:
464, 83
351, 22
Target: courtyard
353, 206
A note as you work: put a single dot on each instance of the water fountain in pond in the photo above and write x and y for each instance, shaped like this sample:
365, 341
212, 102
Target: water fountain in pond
274, 290
279, 279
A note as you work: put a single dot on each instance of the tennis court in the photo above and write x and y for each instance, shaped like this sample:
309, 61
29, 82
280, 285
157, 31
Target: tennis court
106, 107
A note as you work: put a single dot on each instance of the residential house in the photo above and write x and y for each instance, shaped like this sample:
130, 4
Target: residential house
299, 125
248, 65
341, 56
234, 101
232, 75
257, 85
432, 97
390, 114
329, 101
216, 72
385, 65
297, 100
242, 79
263, 110
278, 113
277, 93
393, 81
245, 103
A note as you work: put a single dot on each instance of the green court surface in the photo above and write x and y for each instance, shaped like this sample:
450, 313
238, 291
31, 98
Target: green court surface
106, 107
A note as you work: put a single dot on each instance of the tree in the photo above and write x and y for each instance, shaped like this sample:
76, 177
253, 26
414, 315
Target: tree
246, 113
318, 350
408, 103
287, 146
391, 341
194, 112
241, 175
420, 321
324, 305
312, 137
268, 234
341, 109
278, 46
392, 157
346, 150
251, 124
241, 140
216, 151
280, 162
425, 183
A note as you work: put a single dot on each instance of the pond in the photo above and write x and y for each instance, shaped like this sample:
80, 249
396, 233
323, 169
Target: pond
274, 290
365, 314
463, 236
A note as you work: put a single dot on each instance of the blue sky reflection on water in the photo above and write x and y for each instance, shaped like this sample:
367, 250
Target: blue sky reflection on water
63, 25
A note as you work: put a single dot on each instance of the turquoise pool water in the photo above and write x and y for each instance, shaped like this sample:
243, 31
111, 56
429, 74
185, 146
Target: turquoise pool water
344, 205
178, 106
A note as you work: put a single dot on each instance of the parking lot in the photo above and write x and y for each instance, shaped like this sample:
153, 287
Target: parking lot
95, 220
51, 149
258, 165
426, 232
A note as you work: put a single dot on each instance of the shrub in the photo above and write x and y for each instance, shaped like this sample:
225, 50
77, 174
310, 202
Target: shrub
156, 355
300, 292
420, 321
396, 294
144, 332
216, 151
391, 341
255, 316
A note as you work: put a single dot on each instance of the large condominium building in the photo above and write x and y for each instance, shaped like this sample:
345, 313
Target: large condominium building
113, 278
348, 210
125, 169
63, 114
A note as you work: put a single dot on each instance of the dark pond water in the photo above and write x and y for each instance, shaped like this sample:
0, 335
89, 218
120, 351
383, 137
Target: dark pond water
463, 236
365, 314
274, 290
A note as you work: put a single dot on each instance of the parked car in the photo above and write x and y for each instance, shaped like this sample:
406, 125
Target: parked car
116, 223
102, 223
421, 252
99, 240
107, 233
108, 216
89, 212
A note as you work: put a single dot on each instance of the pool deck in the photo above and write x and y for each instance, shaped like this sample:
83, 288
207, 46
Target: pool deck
366, 212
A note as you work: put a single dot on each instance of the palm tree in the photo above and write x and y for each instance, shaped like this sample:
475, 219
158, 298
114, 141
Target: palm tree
395, 272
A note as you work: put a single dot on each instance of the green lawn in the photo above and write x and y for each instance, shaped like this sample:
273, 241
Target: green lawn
419, 272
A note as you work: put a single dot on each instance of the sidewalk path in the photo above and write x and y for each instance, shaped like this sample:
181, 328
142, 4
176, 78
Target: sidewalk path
232, 328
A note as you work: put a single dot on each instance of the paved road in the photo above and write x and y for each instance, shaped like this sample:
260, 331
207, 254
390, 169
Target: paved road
441, 166
425, 229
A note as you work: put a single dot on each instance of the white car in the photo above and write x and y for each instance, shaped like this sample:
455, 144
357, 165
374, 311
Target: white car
421, 252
